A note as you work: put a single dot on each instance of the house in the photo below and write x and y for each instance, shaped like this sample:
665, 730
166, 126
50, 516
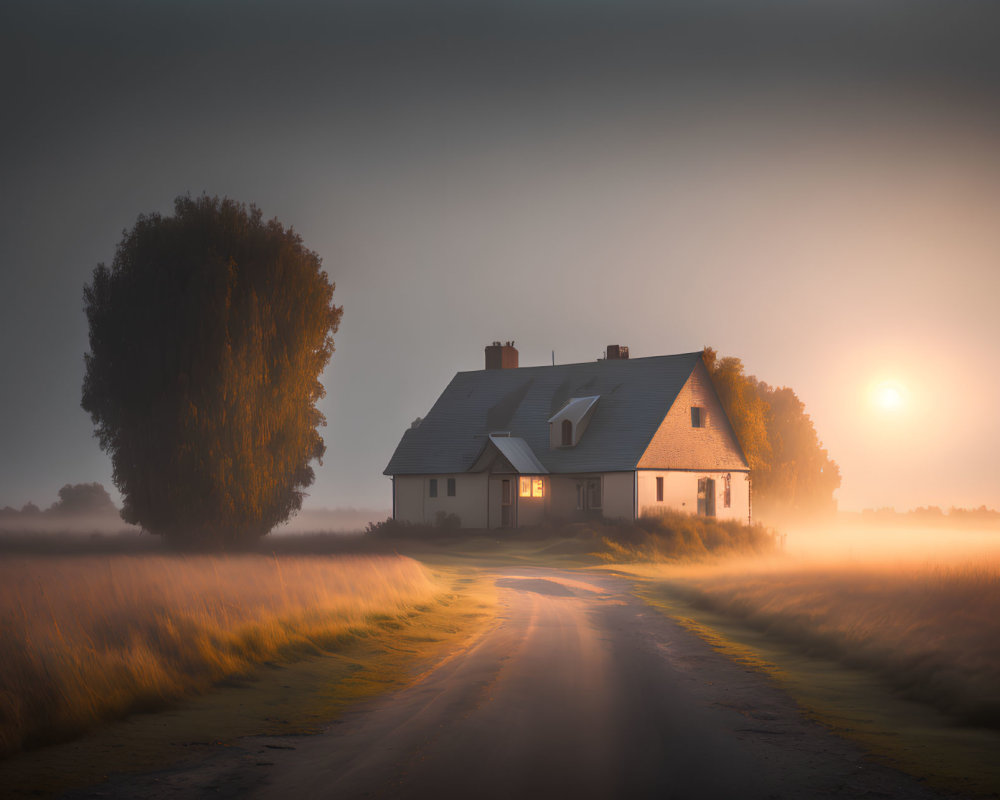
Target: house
618, 438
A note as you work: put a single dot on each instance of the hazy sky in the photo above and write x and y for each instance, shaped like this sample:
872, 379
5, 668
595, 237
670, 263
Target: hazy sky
813, 187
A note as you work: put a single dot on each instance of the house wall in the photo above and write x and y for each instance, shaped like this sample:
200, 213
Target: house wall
678, 445
680, 493
412, 501
533, 510
562, 496
619, 495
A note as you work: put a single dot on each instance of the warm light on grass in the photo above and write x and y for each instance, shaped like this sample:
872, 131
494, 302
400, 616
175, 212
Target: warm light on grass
932, 632
90, 638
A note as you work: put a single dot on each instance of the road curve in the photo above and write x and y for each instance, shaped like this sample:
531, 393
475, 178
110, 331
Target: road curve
579, 691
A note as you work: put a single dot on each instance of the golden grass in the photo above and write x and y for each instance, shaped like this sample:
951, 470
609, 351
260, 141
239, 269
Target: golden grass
931, 631
84, 639
673, 536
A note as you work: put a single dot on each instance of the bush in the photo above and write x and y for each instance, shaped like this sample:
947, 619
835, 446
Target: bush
674, 536
665, 537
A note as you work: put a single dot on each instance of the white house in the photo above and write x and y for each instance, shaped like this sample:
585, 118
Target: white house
618, 438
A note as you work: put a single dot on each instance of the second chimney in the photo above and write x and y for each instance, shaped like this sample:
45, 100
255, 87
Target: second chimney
617, 352
501, 356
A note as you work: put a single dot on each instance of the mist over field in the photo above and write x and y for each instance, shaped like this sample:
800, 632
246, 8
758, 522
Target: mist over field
917, 605
104, 522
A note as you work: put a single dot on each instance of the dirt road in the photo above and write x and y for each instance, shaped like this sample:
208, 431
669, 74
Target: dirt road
579, 691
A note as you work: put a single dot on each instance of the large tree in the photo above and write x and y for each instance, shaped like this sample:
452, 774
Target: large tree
790, 469
208, 335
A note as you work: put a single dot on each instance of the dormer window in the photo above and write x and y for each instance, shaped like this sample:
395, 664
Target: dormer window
569, 423
697, 417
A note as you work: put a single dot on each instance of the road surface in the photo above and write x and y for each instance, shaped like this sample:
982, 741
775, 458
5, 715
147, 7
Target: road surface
578, 691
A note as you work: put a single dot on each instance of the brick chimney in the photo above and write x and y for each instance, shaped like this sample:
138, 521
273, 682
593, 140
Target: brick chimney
501, 356
617, 352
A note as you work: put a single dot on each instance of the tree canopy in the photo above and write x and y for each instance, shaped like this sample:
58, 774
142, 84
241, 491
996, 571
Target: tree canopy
208, 336
790, 469
83, 498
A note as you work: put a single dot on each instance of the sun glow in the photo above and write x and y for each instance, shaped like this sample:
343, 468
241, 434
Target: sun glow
888, 396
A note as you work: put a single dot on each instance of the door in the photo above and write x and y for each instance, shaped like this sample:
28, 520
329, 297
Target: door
589, 497
507, 503
706, 497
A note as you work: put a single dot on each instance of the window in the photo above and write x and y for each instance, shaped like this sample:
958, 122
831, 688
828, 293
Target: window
567, 433
697, 417
451, 487
659, 490
432, 489
727, 494
531, 487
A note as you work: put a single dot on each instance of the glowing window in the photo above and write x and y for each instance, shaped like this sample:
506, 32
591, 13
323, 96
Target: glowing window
532, 487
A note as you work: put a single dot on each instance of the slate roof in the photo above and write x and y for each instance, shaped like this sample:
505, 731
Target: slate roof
635, 397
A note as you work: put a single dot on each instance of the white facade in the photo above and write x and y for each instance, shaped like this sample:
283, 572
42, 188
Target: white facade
481, 500
412, 500
673, 490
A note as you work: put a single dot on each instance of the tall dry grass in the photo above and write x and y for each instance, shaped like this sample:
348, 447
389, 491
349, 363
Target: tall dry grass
932, 631
673, 536
83, 639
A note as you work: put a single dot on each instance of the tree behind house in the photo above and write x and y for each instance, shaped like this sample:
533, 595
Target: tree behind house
790, 469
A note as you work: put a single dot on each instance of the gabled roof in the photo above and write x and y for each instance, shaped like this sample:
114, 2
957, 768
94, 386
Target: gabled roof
635, 395
575, 409
519, 454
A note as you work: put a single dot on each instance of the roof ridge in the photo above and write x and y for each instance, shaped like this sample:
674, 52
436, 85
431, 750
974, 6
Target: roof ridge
583, 363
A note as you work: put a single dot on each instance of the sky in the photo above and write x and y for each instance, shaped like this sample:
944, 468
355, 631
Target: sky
813, 187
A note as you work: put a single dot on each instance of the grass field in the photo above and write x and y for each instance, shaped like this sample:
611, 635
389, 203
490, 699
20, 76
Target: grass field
891, 637
90, 638
850, 621
931, 632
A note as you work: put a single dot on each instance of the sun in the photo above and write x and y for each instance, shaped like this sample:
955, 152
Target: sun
889, 397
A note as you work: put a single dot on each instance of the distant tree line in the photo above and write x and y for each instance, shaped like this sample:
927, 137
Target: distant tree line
933, 515
74, 499
790, 470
